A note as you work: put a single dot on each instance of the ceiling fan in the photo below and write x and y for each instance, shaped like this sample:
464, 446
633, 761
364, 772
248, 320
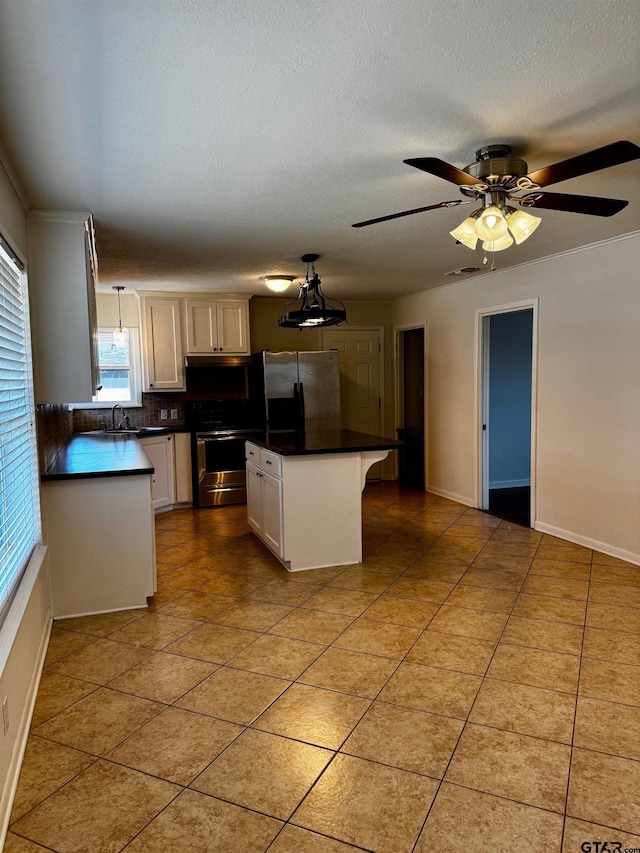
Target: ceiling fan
496, 178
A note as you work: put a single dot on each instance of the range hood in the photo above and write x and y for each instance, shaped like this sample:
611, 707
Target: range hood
218, 360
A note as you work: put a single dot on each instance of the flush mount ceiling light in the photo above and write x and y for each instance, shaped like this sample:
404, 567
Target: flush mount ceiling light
497, 177
312, 309
120, 334
278, 283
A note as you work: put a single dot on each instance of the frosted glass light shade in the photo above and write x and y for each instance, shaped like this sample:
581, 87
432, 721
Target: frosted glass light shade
498, 245
465, 233
278, 283
492, 225
522, 225
121, 336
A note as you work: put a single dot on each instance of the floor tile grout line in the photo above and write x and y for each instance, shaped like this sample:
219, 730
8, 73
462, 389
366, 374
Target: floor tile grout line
466, 721
575, 714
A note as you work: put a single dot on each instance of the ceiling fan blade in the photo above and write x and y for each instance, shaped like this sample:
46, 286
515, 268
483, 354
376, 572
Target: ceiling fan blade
579, 204
440, 169
592, 161
410, 212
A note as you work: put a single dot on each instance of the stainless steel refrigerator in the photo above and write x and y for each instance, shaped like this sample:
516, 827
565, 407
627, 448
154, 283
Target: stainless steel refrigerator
302, 390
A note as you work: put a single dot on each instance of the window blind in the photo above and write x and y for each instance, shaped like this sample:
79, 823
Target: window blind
19, 497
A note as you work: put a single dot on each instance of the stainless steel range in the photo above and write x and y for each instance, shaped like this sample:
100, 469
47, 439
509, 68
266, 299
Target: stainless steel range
219, 429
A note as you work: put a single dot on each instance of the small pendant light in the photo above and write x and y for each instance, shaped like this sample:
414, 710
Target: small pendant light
120, 334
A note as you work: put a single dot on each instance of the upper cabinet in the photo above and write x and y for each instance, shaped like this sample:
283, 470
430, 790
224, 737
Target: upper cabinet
217, 326
194, 324
62, 275
163, 363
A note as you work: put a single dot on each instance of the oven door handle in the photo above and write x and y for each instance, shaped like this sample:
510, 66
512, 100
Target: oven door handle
205, 439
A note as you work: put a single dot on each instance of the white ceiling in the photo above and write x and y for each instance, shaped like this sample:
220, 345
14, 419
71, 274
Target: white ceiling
216, 141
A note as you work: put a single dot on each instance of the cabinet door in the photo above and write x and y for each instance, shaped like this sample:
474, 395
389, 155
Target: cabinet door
254, 498
160, 453
202, 336
61, 294
163, 363
272, 512
233, 327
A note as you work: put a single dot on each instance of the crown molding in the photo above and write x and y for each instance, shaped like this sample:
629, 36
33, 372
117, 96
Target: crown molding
494, 273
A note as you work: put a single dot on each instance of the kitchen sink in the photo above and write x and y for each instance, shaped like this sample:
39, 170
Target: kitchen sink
139, 431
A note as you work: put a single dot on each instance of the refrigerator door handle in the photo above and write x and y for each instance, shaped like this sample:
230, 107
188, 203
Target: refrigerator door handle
301, 423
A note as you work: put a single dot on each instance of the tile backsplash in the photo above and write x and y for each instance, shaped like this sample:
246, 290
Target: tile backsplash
54, 425
148, 415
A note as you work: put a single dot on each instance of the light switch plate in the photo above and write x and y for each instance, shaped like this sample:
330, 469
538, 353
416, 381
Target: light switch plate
163, 414
174, 414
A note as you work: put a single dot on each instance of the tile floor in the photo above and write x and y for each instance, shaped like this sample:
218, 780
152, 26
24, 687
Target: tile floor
471, 686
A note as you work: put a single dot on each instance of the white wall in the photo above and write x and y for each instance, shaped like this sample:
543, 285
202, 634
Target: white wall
588, 395
24, 633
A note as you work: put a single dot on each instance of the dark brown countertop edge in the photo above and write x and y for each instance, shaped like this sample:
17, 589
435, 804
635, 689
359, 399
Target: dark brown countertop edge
325, 442
94, 456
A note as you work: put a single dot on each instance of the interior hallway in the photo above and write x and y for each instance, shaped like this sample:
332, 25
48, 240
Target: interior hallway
471, 686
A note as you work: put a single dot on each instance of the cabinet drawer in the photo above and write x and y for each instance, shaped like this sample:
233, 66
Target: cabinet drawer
271, 462
252, 452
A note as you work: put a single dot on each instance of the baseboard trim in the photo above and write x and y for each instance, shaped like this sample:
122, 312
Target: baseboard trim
587, 542
509, 484
452, 496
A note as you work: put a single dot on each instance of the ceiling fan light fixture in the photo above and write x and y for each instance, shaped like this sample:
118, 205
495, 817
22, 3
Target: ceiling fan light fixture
498, 245
522, 225
312, 309
278, 283
465, 233
491, 225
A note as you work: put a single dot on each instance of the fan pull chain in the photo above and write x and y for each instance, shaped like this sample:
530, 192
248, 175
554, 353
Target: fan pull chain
485, 261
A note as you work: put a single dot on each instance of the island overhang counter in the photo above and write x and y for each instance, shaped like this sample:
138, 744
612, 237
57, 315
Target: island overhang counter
304, 494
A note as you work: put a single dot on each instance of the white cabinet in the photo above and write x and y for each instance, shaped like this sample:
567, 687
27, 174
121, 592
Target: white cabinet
159, 449
174, 326
62, 276
264, 504
307, 509
182, 467
100, 543
216, 326
162, 350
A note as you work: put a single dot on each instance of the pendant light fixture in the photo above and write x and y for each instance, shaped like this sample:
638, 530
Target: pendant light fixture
120, 334
312, 309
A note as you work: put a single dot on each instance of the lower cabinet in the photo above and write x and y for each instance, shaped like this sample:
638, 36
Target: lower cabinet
159, 449
264, 506
170, 455
101, 544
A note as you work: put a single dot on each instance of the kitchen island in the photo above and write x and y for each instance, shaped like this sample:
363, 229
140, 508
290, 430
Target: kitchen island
99, 525
304, 494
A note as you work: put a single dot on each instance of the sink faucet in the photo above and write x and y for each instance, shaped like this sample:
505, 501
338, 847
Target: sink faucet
113, 416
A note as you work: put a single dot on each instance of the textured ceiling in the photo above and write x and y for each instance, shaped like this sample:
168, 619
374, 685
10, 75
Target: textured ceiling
216, 141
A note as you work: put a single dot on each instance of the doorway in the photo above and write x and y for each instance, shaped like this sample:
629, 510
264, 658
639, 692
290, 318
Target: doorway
507, 399
411, 350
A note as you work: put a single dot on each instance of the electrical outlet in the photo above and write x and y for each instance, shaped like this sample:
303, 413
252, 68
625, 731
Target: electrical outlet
5, 715
174, 414
163, 414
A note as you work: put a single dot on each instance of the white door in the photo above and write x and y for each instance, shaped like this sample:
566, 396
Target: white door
254, 498
163, 345
201, 326
233, 327
359, 380
160, 453
272, 512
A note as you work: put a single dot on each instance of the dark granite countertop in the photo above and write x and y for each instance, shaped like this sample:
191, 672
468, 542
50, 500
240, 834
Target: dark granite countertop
99, 455
326, 441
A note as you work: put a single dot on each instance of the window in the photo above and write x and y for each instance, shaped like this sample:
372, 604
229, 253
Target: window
19, 495
119, 371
